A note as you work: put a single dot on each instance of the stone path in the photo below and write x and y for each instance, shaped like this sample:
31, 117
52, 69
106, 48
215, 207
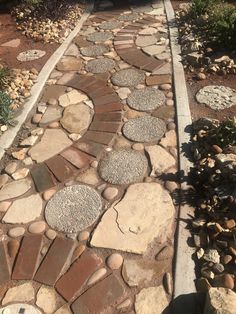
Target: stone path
87, 223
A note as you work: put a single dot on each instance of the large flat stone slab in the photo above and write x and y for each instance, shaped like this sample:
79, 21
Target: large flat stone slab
130, 225
19, 308
52, 143
15, 189
69, 64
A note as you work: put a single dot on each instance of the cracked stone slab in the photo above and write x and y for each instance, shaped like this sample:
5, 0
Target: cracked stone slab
15, 189
58, 142
217, 97
94, 51
144, 129
99, 36
110, 25
123, 166
144, 213
101, 65
146, 99
73, 208
128, 77
30, 55
19, 308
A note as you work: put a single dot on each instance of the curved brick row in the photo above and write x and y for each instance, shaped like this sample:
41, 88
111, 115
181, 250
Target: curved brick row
105, 124
125, 47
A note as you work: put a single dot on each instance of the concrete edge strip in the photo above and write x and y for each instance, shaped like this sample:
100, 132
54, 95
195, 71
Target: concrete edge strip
184, 276
8, 137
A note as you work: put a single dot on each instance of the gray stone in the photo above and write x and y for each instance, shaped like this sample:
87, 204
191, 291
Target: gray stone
101, 65
128, 17
53, 113
109, 25
58, 142
123, 166
76, 118
142, 8
30, 55
154, 49
144, 129
19, 308
217, 97
93, 51
151, 300
15, 189
145, 213
165, 69
69, 64
21, 293
220, 301
99, 36
73, 208
128, 77
146, 99
24, 210
148, 31
143, 41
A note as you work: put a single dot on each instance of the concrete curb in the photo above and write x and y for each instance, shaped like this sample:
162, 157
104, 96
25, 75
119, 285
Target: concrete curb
8, 137
184, 265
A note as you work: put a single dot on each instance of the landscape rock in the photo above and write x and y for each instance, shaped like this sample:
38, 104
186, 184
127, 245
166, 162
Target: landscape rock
220, 301
15, 189
21, 293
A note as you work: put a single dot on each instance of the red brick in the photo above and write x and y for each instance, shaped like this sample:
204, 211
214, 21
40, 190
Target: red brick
99, 137
71, 283
101, 92
91, 148
107, 293
110, 127
110, 116
108, 108
76, 157
106, 99
118, 38
60, 168
153, 65
5, 271
42, 177
28, 257
55, 260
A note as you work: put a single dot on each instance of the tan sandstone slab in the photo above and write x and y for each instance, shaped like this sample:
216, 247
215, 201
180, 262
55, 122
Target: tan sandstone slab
24, 210
21, 293
131, 224
52, 143
15, 189
161, 160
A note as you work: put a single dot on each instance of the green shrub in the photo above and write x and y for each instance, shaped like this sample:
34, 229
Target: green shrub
201, 7
224, 135
4, 77
5, 110
222, 25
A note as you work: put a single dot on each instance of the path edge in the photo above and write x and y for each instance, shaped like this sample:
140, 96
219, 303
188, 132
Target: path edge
184, 273
8, 137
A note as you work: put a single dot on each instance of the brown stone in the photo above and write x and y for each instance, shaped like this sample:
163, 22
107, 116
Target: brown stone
54, 262
13, 246
158, 79
111, 116
108, 108
99, 137
229, 224
90, 147
60, 168
224, 281
76, 157
104, 294
5, 271
70, 283
27, 258
42, 177
110, 127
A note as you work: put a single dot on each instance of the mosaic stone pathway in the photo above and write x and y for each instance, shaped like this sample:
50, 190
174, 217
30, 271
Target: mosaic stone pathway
86, 198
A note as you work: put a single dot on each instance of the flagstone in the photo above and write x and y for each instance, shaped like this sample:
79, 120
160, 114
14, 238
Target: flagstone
20, 308
46, 299
21, 293
15, 189
144, 41
69, 64
53, 113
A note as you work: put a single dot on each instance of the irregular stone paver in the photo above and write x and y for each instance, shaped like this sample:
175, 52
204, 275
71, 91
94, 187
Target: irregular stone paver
143, 41
109, 25
69, 64
24, 210
128, 77
42, 151
128, 17
151, 300
146, 99
99, 36
93, 51
127, 227
73, 208
46, 299
72, 98
20, 308
52, 114
101, 65
123, 166
15, 189
30, 55
217, 97
148, 31
21, 293
144, 129
154, 50
76, 118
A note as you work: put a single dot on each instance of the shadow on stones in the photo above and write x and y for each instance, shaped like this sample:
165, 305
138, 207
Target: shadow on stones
192, 303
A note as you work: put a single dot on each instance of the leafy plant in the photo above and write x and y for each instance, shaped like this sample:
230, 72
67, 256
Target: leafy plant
5, 110
224, 135
201, 7
4, 77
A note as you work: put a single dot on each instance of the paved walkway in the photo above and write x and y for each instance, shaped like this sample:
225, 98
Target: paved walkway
87, 213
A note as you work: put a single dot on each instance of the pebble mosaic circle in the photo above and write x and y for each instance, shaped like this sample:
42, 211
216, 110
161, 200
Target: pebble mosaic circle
73, 208
123, 166
144, 129
93, 51
109, 25
101, 65
30, 55
127, 77
99, 36
146, 99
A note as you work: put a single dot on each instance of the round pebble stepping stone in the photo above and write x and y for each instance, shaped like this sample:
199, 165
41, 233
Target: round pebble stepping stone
123, 166
143, 41
19, 308
30, 55
73, 208
93, 51
217, 97
128, 17
144, 129
99, 36
128, 77
101, 65
109, 25
146, 99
